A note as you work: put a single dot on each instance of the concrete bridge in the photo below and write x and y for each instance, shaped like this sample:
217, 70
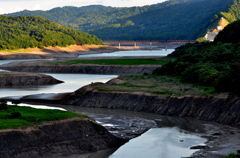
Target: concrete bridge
166, 42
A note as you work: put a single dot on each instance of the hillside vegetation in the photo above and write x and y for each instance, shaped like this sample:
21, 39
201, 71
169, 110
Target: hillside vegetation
29, 32
173, 19
214, 64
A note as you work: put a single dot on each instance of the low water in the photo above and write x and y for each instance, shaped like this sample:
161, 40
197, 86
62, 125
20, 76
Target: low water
130, 53
71, 83
172, 140
157, 142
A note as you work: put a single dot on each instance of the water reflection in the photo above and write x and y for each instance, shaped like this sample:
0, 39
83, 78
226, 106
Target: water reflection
160, 143
131, 53
71, 83
37, 106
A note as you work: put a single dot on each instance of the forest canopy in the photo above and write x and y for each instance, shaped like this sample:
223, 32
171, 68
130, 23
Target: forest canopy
29, 32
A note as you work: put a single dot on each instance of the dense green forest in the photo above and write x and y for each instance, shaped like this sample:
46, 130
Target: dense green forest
29, 32
214, 64
93, 16
173, 19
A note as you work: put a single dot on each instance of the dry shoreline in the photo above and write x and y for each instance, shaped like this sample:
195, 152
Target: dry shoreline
73, 51
225, 139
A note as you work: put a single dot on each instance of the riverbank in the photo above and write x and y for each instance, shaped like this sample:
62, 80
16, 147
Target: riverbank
220, 108
50, 67
57, 138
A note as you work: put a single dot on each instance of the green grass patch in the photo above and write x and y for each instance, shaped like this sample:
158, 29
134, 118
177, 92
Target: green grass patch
156, 84
207, 90
135, 86
151, 61
31, 116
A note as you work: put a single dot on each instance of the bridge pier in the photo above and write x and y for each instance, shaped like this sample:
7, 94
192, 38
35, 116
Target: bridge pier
119, 45
150, 45
166, 47
135, 45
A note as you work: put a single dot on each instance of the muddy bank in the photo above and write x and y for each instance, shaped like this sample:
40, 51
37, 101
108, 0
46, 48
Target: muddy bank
222, 109
41, 67
18, 79
65, 137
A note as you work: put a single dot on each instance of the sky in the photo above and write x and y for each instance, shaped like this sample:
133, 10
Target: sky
10, 6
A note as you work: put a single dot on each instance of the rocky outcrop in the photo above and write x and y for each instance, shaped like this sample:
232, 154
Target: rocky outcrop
70, 136
79, 68
221, 109
18, 79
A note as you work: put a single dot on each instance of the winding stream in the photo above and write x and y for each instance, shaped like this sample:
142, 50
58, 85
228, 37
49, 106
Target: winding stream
172, 141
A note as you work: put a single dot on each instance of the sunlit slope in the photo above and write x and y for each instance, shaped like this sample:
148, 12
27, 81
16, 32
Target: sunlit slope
25, 32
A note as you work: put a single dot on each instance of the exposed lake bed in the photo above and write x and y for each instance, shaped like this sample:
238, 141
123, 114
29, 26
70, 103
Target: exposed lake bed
138, 123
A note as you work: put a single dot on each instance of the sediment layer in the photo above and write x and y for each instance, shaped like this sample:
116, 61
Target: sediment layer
223, 109
79, 68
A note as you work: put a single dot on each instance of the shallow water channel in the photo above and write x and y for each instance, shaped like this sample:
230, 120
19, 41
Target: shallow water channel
161, 52
170, 141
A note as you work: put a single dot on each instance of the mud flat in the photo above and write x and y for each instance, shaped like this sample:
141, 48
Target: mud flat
19, 79
57, 138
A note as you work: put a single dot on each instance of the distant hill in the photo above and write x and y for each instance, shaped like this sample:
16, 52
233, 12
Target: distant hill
24, 32
173, 19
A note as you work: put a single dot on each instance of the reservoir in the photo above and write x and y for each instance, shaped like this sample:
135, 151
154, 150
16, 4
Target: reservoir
164, 142
131, 53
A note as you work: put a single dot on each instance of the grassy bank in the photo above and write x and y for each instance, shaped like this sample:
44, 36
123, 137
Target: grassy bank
151, 61
155, 84
15, 116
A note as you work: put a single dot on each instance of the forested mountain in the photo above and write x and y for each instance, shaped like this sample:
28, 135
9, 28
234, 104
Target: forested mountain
24, 32
173, 19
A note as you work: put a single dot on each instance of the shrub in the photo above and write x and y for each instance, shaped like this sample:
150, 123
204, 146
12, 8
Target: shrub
15, 114
16, 102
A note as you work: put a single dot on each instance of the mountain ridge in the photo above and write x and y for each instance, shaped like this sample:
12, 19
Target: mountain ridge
109, 23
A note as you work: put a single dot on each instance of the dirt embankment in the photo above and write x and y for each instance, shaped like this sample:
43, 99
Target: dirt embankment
221, 109
19, 79
41, 67
64, 137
